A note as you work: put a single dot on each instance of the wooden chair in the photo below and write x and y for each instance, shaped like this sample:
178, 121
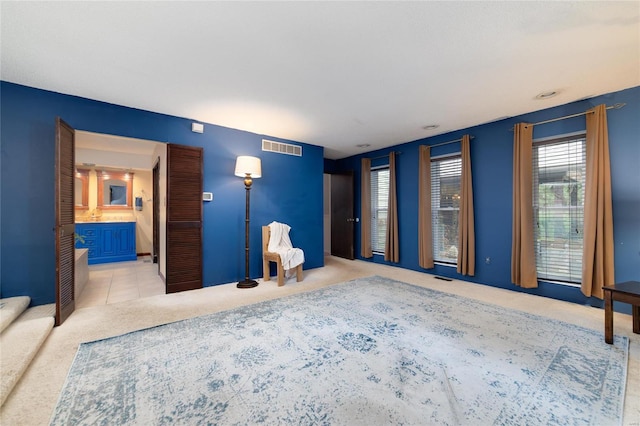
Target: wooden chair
268, 256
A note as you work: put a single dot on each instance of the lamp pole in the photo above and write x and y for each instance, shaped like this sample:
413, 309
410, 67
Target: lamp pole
247, 283
249, 168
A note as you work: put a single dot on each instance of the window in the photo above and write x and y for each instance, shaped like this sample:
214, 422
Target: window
379, 204
445, 205
558, 207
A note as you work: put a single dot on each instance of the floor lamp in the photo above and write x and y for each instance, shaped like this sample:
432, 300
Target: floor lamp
248, 168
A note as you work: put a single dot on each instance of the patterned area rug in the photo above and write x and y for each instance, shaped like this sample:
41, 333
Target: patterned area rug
368, 351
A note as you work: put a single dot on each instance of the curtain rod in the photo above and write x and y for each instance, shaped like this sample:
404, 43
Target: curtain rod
386, 155
615, 106
448, 142
430, 146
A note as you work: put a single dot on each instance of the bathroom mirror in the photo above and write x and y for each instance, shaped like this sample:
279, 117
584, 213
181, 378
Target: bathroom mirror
114, 189
81, 189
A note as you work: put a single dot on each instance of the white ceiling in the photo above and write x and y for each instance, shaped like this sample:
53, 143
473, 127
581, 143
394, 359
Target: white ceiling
335, 74
89, 140
100, 150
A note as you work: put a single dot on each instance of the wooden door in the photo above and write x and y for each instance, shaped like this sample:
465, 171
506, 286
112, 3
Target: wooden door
65, 227
342, 219
156, 212
184, 218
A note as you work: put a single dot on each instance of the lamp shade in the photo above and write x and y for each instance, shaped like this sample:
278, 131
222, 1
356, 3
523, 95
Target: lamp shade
246, 165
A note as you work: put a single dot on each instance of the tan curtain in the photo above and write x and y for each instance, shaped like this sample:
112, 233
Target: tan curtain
425, 232
597, 257
391, 249
523, 259
466, 231
365, 209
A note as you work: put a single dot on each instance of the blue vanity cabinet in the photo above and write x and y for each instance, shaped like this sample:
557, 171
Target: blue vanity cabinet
89, 233
108, 241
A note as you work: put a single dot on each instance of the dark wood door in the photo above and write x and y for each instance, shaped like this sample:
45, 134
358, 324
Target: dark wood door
184, 218
156, 212
65, 226
342, 219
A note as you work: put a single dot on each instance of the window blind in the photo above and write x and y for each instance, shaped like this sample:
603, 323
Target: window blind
379, 204
445, 205
558, 205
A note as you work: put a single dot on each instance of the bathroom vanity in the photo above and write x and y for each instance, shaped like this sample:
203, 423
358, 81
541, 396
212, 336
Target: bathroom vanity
107, 241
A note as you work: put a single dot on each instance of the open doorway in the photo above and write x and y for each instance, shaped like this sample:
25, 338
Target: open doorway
119, 190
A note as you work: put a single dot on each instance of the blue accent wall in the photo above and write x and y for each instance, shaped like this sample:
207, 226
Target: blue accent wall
290, 190
492, 167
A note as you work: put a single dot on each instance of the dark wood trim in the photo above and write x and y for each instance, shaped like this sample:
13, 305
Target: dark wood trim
156, 213
143, 254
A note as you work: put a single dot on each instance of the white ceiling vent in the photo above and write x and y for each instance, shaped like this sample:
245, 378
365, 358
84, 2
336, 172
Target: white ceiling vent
281, 148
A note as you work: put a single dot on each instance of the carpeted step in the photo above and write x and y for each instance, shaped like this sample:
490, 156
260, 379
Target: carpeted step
19, 344
11, 308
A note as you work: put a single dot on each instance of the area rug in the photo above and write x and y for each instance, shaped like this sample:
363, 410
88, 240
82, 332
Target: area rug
370, 351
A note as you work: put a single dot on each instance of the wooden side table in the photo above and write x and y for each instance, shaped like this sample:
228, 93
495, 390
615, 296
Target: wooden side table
627, 292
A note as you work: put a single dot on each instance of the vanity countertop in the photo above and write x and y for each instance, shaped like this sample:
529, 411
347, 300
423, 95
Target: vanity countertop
106, 221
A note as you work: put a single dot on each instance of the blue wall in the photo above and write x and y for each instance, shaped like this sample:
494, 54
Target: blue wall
290, 190
492, 159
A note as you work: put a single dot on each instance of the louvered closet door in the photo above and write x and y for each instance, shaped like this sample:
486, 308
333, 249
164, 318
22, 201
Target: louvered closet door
65, 227
184, 218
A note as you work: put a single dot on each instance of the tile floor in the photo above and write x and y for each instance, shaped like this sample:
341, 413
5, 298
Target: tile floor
119, 281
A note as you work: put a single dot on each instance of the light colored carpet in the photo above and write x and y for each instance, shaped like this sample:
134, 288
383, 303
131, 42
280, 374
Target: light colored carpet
20, 342
34, 398
369, 351
11, 308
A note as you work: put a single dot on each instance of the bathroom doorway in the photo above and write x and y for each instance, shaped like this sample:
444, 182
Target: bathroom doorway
143, 160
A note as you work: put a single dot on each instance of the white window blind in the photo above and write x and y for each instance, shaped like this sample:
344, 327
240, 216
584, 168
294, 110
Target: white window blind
379, 204
445, 205
558, 207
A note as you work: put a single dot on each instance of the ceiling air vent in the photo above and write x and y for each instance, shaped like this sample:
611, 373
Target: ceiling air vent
281, 148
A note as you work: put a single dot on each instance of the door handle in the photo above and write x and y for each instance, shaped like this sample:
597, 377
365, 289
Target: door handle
66, 230
357, 219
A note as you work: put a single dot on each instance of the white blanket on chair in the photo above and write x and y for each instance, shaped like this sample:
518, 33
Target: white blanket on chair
280, 243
